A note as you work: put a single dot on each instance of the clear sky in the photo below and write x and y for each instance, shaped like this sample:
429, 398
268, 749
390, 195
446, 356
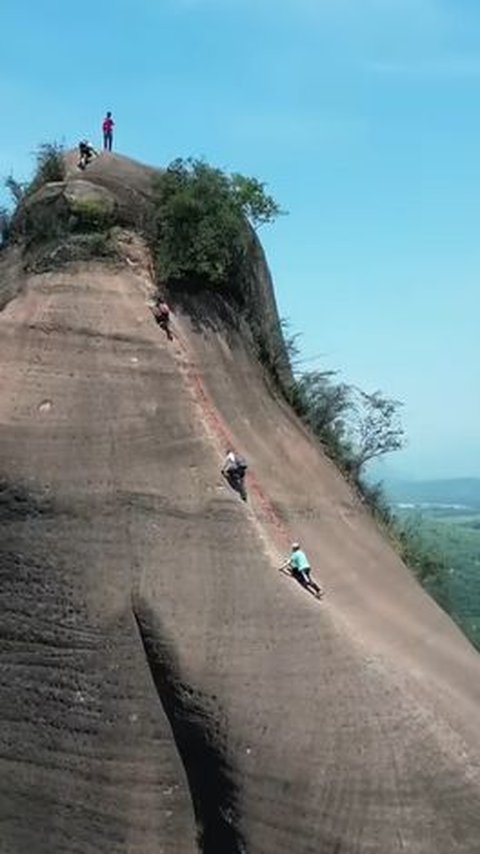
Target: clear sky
363, 116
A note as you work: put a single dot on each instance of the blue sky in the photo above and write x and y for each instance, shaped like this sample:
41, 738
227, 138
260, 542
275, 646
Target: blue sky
362, 116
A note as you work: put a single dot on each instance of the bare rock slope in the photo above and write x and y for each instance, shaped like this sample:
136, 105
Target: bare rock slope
163, 688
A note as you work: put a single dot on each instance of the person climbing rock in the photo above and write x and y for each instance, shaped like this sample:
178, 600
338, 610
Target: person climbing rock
87, 152
234, 470
299, 567
107, 129
161, 312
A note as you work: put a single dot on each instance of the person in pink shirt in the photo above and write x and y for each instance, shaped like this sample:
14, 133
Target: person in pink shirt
107, 128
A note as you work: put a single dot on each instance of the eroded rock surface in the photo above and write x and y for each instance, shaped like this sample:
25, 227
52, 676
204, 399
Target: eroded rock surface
162, 687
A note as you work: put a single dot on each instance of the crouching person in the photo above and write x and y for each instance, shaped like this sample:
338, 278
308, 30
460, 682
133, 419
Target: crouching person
161, 312
86, 153
234, 470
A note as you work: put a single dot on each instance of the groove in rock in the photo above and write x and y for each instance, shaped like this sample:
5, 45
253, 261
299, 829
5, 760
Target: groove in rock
197, 736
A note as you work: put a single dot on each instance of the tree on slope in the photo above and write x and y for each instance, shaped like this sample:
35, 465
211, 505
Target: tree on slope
375, 428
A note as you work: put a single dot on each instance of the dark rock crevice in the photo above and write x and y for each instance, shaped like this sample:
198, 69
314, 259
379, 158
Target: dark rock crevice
197, 732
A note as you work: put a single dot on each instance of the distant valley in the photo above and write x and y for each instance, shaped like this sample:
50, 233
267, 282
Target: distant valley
458, 494
445, 515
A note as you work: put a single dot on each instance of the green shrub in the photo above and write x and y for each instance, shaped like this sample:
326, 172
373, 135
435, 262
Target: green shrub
353, 428
15, 188
273, 356
75, 247
52, 215
428, 564
50, 165
44, 219
250, 196
373, 495
201, 222
5, 218
85, 247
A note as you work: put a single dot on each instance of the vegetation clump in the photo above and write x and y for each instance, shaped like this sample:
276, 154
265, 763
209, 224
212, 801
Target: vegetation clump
355, 428
202, 222
4, 226
50, 166
57, 224
91, 215
75, 247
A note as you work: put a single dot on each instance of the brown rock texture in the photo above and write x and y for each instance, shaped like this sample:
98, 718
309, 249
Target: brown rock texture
163, 688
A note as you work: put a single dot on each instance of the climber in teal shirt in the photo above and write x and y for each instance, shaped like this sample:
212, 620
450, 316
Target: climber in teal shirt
299, 566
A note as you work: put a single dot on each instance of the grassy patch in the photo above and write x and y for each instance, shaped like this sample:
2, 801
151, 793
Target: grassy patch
91, 215
76, 247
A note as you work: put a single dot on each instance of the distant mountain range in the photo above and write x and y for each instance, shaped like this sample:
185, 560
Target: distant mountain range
464, 491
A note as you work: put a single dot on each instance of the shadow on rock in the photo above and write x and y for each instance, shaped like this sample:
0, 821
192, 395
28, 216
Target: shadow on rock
197, 731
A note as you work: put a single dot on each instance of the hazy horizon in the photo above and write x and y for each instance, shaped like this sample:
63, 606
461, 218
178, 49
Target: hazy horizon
391, 472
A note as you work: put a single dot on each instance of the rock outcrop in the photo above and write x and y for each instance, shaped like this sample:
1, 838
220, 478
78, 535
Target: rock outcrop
163, 688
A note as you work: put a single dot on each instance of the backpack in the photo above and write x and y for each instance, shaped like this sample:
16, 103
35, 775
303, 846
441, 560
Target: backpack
240, 463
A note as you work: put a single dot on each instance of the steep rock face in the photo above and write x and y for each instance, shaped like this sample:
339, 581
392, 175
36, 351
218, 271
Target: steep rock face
162, 687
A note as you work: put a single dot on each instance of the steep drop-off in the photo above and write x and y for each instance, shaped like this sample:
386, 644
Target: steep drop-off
163, 688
